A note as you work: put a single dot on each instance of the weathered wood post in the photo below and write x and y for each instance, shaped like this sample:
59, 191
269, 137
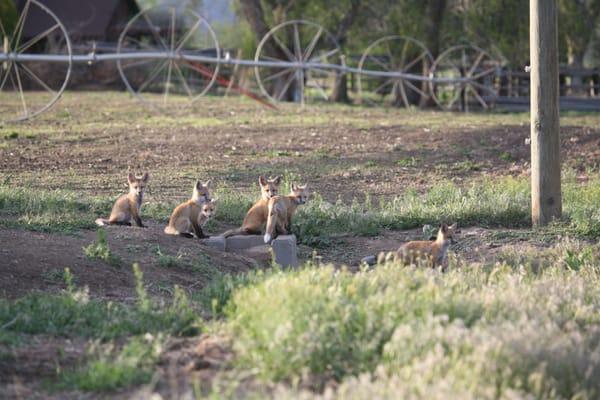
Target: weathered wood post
546, 199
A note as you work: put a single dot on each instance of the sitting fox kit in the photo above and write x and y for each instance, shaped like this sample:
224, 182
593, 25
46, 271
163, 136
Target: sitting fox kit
191, 216
432, 253
256, 217
128, 206
280, 211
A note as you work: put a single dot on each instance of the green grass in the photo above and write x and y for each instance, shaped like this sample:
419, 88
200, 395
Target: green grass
100, 250
490, 331
74, 313
109, 369
482, 202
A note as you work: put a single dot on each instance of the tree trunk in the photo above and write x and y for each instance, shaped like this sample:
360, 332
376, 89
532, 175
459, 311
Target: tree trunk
340, 92
434, 17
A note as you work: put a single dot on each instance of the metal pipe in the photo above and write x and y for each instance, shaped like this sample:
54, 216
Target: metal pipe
92, 57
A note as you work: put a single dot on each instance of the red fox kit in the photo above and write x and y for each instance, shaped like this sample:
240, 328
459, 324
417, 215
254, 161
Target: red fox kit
192, 214
281, 209
129, 205
432, 253
256, 217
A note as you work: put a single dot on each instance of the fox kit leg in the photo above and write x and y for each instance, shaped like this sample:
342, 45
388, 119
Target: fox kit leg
198, 231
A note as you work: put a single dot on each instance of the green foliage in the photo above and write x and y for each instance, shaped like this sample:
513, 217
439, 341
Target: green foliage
48, 211
109, 369
100, 250
398, 332
73, 313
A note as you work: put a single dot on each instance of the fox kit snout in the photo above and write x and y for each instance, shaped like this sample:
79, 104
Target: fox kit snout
193, 214
128, 206
281, 209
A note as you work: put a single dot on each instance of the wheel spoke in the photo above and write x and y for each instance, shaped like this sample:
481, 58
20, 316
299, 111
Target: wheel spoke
183, 80
455, 98
142, 45
153, 75
277, 74
415, 88
320, 89
399, 85
7, 73
168, 81
476, 63
36, 39
382, 65
286, 86
297, 47
312, 44
484, 87
478, 97
384, 84
20, 24
483, 73
413, 62
21, 90
154, 33
287, 52
263, 56
325, 55
37, 79
187, 35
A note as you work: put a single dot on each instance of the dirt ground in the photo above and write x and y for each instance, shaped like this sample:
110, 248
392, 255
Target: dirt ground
87, 143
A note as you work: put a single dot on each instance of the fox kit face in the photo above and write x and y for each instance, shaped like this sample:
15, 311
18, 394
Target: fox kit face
202, 191
447, 234
269, 187
137, 185
300, 193
208, 208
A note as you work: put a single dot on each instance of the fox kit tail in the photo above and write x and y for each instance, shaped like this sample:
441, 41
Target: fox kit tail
169, 230
101, 222
271, 223
236, 231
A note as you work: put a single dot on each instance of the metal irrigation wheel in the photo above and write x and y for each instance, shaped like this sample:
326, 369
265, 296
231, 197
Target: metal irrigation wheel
30, 87
300, 42
470, 79
394, 54
168, 80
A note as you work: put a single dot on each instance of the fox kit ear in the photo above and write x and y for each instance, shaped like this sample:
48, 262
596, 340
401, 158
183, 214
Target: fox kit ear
277, 180
145, 177
453, 226
208, 183
262, 181
444, 228
304, 187
294, 187
131, 177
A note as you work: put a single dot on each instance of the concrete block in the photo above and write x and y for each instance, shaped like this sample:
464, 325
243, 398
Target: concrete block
285, 250
369, 260
217, 242
242, 242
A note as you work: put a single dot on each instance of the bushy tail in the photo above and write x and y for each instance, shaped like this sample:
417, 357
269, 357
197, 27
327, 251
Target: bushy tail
271, 223
236, 231
169, 230
101, 222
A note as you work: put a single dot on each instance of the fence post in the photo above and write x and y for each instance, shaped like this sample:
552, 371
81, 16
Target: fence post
546, 199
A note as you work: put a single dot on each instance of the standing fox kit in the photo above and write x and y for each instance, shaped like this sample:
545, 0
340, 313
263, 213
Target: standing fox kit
432, 253
281, 209
256, 217
128, 206
193, 214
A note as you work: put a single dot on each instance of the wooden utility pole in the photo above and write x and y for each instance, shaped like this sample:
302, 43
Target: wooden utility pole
546, 198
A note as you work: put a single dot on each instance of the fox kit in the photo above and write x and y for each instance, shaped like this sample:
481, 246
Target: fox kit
129, 205
193, 214
256, 217
433, 253
281, 209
